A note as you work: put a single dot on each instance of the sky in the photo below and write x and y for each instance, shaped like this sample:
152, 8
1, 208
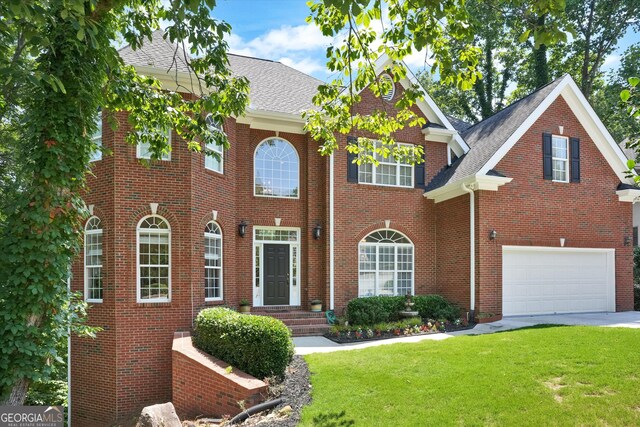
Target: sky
276, 30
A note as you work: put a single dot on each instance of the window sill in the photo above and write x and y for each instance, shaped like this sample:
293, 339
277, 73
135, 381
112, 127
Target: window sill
401, 187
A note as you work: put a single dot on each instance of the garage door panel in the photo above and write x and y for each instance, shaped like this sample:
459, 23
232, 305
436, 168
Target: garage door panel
540, 280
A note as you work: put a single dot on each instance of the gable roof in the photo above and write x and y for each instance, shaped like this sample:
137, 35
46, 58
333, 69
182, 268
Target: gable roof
486, 137
491, 139
458, 124
274, 87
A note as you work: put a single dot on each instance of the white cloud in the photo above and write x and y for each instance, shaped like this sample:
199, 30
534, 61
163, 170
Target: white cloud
301, 47
611, 60
307, 65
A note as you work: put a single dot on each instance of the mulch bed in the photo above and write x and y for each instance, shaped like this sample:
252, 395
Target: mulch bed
295, 391
342, 338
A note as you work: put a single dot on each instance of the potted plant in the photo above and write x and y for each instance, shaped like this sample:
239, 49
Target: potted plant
245, 307
316, 305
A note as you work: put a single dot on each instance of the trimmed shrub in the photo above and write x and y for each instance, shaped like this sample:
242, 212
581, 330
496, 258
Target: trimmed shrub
636, 297
368, 311
436, 307
258, 345
371, 310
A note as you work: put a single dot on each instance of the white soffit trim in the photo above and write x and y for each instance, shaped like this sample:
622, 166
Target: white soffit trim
579, 105
477, 182
629, 195
272, 121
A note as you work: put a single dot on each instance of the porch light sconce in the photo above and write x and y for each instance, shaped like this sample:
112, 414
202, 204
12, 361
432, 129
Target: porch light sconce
317, 231
493, 234
242, 228
627, 240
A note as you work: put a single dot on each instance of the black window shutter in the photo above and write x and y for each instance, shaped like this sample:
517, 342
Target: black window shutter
574, 151
419, 170
352, 168
546, 156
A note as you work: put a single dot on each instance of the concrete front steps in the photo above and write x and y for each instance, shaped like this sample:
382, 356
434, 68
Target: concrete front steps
302, 323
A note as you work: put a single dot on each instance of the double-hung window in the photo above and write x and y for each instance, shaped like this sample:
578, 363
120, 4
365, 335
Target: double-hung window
385, 264
154, 260
212, 262
144, 149
560, 158
389, 171
214, 162
93, 260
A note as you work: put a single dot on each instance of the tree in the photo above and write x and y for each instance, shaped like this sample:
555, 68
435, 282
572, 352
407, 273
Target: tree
597, 27
59, 57
606, 97
495, 34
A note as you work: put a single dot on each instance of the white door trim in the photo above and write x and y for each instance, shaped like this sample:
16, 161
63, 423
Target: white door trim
294, 251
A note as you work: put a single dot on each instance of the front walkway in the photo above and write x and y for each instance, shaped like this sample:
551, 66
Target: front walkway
627, 319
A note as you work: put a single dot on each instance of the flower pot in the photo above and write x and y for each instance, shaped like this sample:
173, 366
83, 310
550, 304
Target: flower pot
316, 307
245, 309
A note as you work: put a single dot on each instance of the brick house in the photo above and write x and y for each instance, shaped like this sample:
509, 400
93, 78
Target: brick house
527, 212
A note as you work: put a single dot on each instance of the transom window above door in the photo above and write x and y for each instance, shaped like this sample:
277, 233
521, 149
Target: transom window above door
276, 169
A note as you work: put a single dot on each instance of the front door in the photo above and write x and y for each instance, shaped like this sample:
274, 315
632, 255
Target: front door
276, 274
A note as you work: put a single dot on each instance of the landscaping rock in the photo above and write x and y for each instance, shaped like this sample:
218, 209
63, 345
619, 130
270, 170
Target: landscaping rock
160, 415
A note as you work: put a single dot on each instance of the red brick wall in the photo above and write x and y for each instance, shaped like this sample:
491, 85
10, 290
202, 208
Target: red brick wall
452, 250
203, 386
362, 208
538, 212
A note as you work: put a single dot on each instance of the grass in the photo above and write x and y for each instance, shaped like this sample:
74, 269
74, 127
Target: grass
536, 376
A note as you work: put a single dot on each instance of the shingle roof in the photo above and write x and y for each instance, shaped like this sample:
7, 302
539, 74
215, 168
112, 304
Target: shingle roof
458, 124
273, 86
486, 137
157, 53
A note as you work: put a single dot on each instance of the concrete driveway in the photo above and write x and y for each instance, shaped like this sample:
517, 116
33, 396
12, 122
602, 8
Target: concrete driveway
627, 319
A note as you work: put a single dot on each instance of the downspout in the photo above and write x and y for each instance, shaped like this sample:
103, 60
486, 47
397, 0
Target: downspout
69, 359
472, 252
331, 229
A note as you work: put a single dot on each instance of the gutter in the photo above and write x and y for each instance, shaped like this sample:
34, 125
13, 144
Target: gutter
472, 251
331, 235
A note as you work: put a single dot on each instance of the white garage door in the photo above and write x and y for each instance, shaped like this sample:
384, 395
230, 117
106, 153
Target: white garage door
542, 280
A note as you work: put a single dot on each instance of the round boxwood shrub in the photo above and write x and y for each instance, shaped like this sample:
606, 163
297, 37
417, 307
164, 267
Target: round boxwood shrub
367, 311
258, 345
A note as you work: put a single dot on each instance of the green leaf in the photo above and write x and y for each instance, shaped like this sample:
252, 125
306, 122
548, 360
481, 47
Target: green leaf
80, 34
633, 81
624, 95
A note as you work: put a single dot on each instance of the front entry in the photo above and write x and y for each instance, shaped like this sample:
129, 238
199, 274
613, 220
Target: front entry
276, 274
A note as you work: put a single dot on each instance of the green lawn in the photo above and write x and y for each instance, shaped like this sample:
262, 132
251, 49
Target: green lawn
538, 377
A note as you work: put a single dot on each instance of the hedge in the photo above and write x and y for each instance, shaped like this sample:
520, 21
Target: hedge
258, 345
636, 297
368, 311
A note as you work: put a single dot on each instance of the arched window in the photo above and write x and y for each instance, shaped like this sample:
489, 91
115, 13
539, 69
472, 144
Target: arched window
276, 169
154, 259
385, 264
212, 262
93, 260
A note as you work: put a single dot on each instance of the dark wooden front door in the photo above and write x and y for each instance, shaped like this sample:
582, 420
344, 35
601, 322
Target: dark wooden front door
276, 274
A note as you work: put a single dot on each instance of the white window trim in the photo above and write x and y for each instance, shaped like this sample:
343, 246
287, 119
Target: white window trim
221, 268
97, 139
164, 158
216, 149
255, 151
389, 161
388, 96
294, 293
168, 232
395, 254
86, 276
566, 161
